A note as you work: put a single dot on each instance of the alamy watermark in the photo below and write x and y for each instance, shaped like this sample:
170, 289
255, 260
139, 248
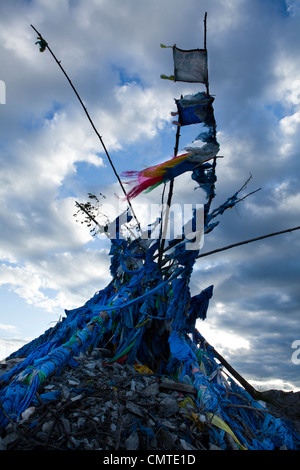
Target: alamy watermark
2, 92
177, 221
296, 353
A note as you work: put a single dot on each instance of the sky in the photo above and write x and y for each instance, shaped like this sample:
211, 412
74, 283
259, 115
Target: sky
50, 157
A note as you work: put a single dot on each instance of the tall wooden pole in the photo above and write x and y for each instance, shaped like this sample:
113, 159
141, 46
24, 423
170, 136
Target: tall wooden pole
212, 195
205, 18
247, 386
245, 242
205, 34
165, 219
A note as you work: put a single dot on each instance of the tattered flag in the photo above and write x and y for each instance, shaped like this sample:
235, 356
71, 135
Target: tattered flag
189, 66
194, 109
150, 178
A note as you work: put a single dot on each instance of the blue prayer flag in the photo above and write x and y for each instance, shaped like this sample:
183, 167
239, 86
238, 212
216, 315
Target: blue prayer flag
194, 109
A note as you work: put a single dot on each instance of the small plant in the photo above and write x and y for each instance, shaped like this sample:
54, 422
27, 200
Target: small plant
94, 218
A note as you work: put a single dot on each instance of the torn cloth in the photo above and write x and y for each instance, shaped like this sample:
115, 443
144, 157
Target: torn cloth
151, 177
194, 109
189, 66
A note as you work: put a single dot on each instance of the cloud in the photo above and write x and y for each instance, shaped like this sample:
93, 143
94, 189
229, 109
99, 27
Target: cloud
60, 280
6, 327
9, 345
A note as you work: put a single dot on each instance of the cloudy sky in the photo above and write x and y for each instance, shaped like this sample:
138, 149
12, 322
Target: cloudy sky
50, 157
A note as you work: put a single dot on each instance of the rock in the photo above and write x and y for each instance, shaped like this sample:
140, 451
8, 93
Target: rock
186, 445
73, 443
132, 443
9, 439
151, 390
77, 397
42, 436
165, 437
168, 407
47, 426
170, 425
81, 423
132, 386
73, 382
135, 409
90, 365
214, 447
108, 407
65, 393
113, 427
66, 425
27, 413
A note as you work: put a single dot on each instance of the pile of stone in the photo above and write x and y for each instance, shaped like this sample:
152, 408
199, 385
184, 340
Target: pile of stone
99, 406
94, 405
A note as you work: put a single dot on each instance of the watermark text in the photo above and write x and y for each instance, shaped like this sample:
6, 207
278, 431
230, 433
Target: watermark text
174, 222
296, 353
2, 92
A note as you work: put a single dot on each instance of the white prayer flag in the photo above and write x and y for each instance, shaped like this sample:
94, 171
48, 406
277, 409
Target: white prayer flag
190, 66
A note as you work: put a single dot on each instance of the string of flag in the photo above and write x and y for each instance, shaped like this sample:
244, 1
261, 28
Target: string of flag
189, 66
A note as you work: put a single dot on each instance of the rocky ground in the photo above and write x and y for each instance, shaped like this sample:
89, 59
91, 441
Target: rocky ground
283, 404
98, 406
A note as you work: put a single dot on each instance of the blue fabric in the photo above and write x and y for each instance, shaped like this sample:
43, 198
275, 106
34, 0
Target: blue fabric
207, 135
195, 109
47, 397
198, 307
179, 169
151, 318
180, 350
205, 176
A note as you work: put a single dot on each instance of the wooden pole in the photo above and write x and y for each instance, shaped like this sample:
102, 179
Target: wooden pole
171, 187
228, 247
165, 219
212, 194
91, 122
205, 47
205, 18
248, 387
